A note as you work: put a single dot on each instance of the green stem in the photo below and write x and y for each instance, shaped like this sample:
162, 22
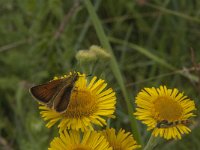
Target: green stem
153, 141
113, 65
175, 13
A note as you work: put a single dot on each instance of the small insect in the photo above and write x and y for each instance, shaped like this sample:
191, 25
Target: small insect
167, 124
56, 93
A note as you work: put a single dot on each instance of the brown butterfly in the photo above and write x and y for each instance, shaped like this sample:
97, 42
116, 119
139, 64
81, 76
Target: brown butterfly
56, 93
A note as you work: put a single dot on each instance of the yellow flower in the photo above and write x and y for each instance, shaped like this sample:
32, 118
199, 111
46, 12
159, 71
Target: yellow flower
89, 104
165, 111
121, 140
72, 140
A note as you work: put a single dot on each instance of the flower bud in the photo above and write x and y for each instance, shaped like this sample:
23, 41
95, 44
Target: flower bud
85, 56
100, 52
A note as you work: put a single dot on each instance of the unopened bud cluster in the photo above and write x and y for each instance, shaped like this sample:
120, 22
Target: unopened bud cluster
94, 53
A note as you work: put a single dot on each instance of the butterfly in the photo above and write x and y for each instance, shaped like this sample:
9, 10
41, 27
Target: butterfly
55, 94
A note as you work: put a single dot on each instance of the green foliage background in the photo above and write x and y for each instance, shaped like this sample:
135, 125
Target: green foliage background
151, 41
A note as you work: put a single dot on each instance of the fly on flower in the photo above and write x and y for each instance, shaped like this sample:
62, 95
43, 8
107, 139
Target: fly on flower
167, 111
56, 93
167, 124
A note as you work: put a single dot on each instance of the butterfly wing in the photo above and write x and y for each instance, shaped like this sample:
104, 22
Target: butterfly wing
45, 92
62, 99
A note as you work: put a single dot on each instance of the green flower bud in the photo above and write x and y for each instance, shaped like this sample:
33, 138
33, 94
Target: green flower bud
85, 56
100, 52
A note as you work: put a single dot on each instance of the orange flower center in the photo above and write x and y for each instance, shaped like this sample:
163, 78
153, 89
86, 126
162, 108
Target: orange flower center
82, 104
167, 109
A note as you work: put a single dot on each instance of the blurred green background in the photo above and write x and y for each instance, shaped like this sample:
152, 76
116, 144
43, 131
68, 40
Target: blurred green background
154, 42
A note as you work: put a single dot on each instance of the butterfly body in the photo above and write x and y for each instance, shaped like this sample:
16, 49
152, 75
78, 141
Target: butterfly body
167, 124
56, 93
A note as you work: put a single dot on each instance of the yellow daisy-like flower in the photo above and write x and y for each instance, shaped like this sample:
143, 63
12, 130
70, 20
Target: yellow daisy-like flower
165, 110
121, 140
72, 140
89, 104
